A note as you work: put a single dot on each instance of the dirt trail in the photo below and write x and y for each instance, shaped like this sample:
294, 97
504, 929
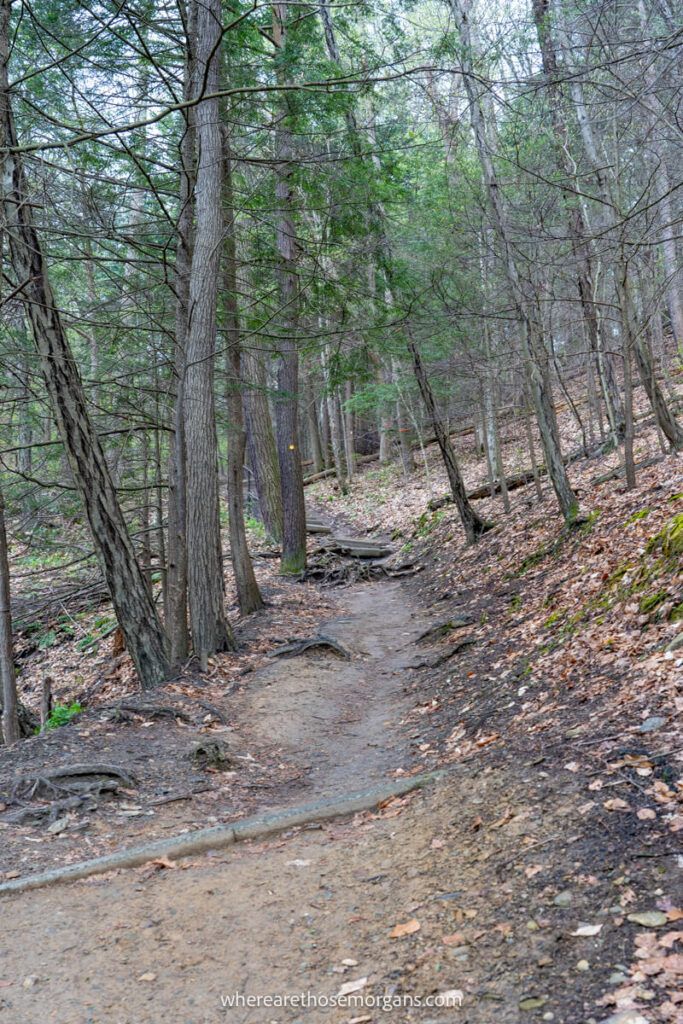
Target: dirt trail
339, 719
73, 954
490, 872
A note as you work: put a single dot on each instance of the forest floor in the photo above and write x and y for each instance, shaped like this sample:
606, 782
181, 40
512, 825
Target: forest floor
536, 880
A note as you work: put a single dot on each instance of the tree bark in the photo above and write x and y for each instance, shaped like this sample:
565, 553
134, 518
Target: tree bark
261, 448
532, 334
131, 599
473, 525
293, 559
210, 629
248, 594
175, 607
8, 683
578, 225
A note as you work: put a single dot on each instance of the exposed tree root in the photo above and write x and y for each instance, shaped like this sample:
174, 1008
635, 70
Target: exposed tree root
296, 647
257, 827
441, 629
70, 778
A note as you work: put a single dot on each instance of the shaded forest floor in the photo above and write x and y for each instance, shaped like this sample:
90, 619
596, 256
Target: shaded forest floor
537, 881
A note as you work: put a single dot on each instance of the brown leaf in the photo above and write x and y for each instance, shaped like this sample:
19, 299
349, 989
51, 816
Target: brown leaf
456, 939
407, 928
162, 862
616, 804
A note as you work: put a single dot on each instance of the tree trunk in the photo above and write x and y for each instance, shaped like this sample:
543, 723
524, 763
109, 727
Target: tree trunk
261, 449
131, 599
8, 684
473, 525
175, 606
532, 334
313, 426
349, 432
607, 182
293, 559
248, 594
210, 629
402, 424
578, 225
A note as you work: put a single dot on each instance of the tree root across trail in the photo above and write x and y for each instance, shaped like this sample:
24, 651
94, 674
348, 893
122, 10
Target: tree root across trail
257, 827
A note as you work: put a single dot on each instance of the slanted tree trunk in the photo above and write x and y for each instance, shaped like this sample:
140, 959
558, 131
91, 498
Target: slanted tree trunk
473, 525
667, 218
131, 599
293, 559
8, 684
536, 354
248, 594
210, 629
607, 186
578, 224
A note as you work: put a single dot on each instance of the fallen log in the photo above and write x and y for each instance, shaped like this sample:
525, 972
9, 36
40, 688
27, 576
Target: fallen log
355, 548
325, 473
619, 471
315, 527
513, 482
